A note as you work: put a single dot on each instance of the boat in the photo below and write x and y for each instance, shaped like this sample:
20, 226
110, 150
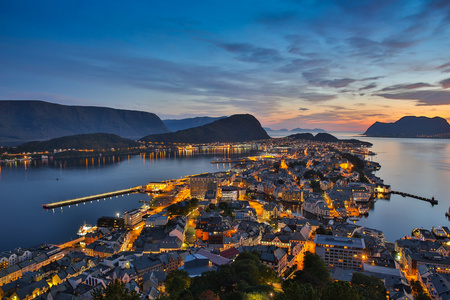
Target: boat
354, 219
85, 228
438, 232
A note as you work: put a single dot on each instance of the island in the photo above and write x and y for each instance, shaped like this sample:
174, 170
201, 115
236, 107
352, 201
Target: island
411, 127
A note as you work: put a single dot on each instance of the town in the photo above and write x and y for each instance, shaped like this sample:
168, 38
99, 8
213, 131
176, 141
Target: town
299, 198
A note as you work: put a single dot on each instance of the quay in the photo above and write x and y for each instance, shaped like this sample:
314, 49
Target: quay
224, 161
432, 200
92, 197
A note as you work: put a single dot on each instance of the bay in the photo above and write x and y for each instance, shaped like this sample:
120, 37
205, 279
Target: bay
24, 187
417, 166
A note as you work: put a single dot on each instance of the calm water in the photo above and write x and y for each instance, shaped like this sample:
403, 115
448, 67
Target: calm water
416, 166
24, 188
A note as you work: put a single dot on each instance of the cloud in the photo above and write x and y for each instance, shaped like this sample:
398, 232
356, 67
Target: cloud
316, 97
445, 83
315, 77
368, 87
303, 109
301, 64
250, 53
444, 66
423, 98
409, 86
377, 50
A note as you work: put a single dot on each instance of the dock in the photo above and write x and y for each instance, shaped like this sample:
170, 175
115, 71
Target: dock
90, 198
432, 200
225, 161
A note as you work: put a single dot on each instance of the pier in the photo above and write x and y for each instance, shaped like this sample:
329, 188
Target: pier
90, 198
432, 200
225, 161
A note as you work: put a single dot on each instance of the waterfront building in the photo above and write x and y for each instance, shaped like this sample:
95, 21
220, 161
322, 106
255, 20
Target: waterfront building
199, 184
343, 252
108, 222
132, 218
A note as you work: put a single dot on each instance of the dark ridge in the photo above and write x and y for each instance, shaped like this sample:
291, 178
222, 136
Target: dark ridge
175, 125
94, 141
411, 126
237, 128
328, 138
22, 121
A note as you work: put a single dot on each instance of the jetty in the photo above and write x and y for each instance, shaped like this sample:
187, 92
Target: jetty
92, 197
432, 200
225, 161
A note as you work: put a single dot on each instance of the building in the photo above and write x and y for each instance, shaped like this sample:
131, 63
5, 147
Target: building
132, 218
113, 222
201, 183
343, 252
229, 193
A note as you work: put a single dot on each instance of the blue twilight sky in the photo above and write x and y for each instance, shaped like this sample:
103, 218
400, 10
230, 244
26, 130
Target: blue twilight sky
337, 65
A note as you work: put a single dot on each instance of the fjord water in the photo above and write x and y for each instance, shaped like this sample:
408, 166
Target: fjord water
25, 187
416, 166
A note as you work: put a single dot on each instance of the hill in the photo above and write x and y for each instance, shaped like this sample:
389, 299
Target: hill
237, 128
411, 126
326, 137
22, 121
175, 125
95, 141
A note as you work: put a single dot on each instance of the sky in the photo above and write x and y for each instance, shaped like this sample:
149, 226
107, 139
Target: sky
339, 65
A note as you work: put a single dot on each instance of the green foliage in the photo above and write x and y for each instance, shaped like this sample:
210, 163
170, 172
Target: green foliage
258, 296
340, 290
115, 290
419, 293
244, 276
294, 291
176, 282
97, 141
369, 287
178, 209
314, 265
323, 231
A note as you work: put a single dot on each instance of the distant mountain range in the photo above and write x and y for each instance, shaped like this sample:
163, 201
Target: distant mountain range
22, 121
294, 130
411, 126
181, 124
237, 128
95, 141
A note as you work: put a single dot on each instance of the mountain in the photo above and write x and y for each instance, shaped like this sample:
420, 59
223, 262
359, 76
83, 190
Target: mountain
411, 126
307, 130
175, 125
326, 137
22, 121
284, 130
96, 141
237, 128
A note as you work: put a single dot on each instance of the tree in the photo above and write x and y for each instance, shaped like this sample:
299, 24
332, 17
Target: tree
115, 290
370, 287
315, 266
208, 295
419, 293
294, 291
177, 281
340, 290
